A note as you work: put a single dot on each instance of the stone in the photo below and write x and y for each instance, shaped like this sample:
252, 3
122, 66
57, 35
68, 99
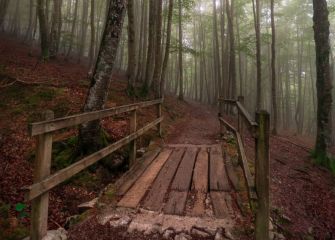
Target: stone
59, 234
88, 205
182, 236
168, 234
153, 229
279, 236
219, 234
121, 222
199, 232
228, 234
271, 235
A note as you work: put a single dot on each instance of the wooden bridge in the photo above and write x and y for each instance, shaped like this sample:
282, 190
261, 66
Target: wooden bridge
167, 179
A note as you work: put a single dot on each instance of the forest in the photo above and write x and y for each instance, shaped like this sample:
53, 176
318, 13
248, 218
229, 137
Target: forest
241, 93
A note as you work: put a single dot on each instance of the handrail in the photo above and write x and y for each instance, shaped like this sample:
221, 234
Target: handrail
65, 122
260, 182
38, 193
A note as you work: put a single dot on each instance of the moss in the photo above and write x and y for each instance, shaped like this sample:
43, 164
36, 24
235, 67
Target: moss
86, 179
323, 159
4, 210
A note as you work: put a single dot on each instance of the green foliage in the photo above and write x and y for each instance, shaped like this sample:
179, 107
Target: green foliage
20, 209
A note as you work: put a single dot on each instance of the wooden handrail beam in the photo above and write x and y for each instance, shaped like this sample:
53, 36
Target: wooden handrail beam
52, 181
65, 122
246, 115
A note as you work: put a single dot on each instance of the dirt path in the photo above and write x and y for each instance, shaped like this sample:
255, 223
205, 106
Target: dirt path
199, 126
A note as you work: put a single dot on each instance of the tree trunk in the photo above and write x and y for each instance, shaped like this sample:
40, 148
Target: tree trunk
158, 50
43, 29
56, 27
92, 46
180, 48
323, 82
167, 46
273, 72
90, 133
132, 61
3, 11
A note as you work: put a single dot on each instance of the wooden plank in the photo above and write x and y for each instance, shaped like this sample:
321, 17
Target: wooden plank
200, 176
133, 197
219, 204
228, 125
189, 145
39, 188
176, 203
218, 176
60, 123
183, 178
246, 171
40, 205
129, 178
199, 207
155, 198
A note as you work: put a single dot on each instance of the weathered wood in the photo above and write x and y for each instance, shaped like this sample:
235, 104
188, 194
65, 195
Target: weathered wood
246, 170
219, 204
155, 198
45, 185
183, 178
263, 175
199, 207
245, 114
228, 125
189, 145
200, 176
60, 123
130, 177
133, 197
228, 101
176, 203
218, 176
240, 99
39, 214
132, 145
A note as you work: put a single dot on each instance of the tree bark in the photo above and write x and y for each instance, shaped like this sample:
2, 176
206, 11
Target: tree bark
180, 49
323, 82
167, 47
43, 29
56, 27
92, 46
132, 59
273, 71
90, 134
3, 11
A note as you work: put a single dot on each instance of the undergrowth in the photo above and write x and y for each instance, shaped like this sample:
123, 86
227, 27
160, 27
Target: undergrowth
324, 160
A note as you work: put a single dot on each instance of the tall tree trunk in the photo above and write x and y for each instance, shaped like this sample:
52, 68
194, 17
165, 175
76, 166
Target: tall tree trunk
56, 27
132, 59
273, 72
256, 10
90, 133
92, 46
3, 11
323, 82
83, 30
43, 29
180, 49
73, 28
158, 50
29, 31
232, 59
167, 46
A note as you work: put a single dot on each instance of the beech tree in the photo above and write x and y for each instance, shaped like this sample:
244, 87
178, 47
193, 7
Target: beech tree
323, 81
90, 134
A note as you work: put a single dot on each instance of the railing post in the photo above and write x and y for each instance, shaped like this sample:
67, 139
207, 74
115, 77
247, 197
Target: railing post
133, 128
39, 212
159, 115
262, 175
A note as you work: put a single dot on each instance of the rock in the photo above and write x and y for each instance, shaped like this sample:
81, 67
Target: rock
168, 234
153, 229
270, 225
182, 236
271, 235
279, 236
59, 234
140, 152
219, 234
199, 232
88, 205
228, 234
72, 220
121, 222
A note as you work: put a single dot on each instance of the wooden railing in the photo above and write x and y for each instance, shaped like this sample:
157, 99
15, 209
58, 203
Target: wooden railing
258, 185
38, 193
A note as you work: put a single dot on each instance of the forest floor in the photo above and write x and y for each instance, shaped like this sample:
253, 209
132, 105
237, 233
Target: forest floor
302, 194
